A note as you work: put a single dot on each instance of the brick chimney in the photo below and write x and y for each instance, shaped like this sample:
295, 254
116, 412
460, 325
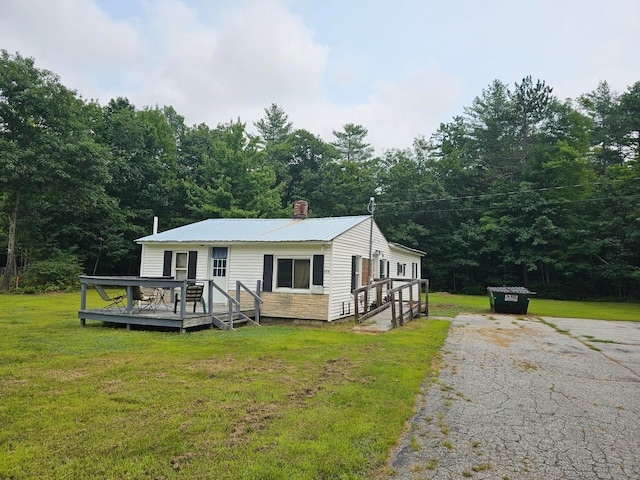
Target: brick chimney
300, 209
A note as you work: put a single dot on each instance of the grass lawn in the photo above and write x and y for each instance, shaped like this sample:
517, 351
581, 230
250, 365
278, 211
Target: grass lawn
450, 305
256, 403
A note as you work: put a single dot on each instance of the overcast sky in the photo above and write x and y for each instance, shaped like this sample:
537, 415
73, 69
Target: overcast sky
399, 68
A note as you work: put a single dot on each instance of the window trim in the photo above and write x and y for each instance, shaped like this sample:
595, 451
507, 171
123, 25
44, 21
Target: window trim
356, 272
293, 258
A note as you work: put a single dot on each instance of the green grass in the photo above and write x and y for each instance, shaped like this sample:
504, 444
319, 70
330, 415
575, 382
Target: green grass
445, 304
256, 403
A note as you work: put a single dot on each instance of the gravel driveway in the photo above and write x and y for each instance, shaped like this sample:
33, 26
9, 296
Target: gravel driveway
528, 399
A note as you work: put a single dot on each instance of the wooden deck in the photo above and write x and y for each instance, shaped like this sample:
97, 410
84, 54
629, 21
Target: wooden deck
163, 317
163, 313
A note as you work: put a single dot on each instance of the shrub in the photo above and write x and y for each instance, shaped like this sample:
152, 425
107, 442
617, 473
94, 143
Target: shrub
59, 273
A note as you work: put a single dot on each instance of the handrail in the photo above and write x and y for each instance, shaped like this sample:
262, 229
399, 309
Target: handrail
256, 301
228, 297
390, 300
232, 302
236, 302
382, 301
398, 290
255, 297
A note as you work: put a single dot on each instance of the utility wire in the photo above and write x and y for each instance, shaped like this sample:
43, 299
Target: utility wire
497, 206
487, 195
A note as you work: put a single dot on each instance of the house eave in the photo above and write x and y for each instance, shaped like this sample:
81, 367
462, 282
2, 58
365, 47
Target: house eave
405, 248
233, 242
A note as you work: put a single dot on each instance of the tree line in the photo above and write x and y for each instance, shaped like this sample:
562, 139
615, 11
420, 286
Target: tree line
522, 188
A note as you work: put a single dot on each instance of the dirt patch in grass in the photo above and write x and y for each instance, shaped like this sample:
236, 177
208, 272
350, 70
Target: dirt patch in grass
111, 386
65, 375
181, 461
332, 372
255, 420
11, 382
338, 371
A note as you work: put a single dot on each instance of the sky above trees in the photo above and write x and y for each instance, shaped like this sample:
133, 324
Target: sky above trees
398, 68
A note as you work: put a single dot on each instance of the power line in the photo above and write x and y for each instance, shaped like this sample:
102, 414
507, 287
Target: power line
488, 195
513, 205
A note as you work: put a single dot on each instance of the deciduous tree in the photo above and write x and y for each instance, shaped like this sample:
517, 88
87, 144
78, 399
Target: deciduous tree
44, 142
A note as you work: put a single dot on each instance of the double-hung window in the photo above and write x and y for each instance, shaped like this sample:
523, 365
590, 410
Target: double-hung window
402, 269
293, 273
181, 265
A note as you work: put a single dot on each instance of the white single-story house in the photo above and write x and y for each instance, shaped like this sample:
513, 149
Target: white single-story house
308, 267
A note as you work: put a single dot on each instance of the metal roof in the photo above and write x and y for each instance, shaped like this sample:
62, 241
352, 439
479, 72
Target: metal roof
230, 230
408, 249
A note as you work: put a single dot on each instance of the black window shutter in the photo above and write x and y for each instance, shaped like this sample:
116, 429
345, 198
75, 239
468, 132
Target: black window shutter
267, 274
318, 270
193, 261
354, 261
166, 266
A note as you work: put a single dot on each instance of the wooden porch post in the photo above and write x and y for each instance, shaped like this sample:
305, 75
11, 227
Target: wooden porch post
411, 301
426, 297
83, 301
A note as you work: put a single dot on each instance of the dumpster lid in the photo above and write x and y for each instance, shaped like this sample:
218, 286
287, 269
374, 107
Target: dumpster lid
504, 289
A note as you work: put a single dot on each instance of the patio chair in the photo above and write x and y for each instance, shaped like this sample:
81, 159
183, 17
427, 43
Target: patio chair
192, 294
116, 301
147, 301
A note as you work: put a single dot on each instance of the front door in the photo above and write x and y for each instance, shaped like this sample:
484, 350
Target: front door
220, 258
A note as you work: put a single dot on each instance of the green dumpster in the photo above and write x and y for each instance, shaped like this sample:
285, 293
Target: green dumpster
509, 299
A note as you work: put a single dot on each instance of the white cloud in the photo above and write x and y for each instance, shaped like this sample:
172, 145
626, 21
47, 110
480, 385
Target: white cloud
396, 113
73, 38
257, 55
398, 70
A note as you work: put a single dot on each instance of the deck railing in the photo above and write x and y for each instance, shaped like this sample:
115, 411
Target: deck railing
130, 283
257, 301
129, 313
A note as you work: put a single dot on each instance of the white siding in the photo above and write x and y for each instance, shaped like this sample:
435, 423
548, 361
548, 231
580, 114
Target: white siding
246, 261
350, 243
356, 242
407, 258
152, 260
203, 269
